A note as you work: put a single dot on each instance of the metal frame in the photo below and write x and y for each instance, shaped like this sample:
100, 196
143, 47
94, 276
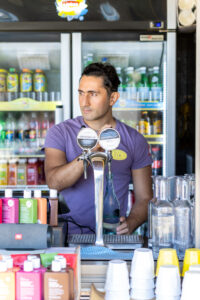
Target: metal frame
76, 70
197, 132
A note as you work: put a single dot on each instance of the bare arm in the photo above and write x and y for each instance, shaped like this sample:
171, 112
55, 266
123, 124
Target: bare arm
143, 193
60, 174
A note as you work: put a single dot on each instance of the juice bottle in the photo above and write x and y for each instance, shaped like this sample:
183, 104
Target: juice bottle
39, 81
12, 172
142, 123
7, 282
157, 123
41, 173
27, 209
3, 80
32, 172
21, 172
57, 278
3, 172
10, 208
12, 81
28, 283
41, 207
26, 80
53, 200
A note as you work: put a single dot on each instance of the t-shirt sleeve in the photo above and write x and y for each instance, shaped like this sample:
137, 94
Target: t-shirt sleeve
55, 139
142, 156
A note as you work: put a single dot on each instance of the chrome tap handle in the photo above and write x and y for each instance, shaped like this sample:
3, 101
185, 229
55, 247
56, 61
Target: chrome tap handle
85, 164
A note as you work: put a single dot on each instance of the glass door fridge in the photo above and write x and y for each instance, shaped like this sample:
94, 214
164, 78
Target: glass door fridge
145, 64
34, 95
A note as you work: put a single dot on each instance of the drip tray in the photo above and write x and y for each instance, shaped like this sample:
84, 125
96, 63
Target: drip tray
118, 242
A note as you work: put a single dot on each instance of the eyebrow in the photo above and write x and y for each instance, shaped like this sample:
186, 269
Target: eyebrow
90, 91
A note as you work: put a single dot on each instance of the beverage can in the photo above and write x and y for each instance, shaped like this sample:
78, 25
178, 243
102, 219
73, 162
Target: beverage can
39, 81
26, 80
12, 81
3, 80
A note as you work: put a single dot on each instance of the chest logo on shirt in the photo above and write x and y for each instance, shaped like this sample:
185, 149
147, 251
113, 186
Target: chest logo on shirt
119, 154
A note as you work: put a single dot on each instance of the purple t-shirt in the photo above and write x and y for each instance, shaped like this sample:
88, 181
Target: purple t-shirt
132, 153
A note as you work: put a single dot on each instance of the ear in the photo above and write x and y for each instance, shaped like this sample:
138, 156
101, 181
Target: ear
114, 97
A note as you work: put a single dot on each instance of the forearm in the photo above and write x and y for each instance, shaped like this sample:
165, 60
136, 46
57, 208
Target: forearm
64, 176
138, 214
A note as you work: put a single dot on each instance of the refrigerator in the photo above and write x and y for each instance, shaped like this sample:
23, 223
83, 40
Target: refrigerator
27, 108
148, 107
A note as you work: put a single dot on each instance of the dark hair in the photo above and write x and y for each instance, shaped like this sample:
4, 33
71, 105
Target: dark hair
107, 71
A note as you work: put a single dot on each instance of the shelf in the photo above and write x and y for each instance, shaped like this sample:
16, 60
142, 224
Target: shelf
22, 155
155, 143
154, 136
28, 104
23, 187
131, 105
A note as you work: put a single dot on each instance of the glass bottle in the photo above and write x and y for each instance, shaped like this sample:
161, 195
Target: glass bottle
162, 219
143, 85
182, 219
111, 209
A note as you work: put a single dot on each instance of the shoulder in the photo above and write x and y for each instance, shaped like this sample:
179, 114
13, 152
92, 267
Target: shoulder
66, 126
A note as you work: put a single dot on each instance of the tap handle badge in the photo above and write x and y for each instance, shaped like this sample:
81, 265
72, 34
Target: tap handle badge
109, 139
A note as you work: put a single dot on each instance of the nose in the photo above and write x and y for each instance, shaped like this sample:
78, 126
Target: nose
84, 100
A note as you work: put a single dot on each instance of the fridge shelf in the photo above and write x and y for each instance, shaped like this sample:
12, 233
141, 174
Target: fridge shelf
136, 109
153, 136
7, 156
125, 104
23, 187
28, 104
155, 143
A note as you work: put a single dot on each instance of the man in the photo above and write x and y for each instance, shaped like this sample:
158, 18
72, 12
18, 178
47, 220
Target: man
97, 94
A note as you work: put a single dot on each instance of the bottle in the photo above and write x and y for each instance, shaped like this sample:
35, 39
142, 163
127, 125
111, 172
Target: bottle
89, 58
182, 219
39, 81
23, 133
32, 172
53, 201
41, 207
7, 282
3, 80
60, 280
26, 81
27, 209
21, 172
3, 172
12, 172
131, 90
34, 133
2, 134
12, 81
156, 86
142, 123
120, 87
41, 173
163, 219
10, 129
157, 123
143, 85
10, 208
28, 283
156, 153
44, 128
111, 207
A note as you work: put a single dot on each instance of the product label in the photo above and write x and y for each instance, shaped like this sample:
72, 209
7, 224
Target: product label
157, 164
39, 83
2, 82
26, 82
10, 135
143, 93
12, 83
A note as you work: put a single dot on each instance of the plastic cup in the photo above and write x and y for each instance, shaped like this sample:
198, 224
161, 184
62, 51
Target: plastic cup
191, 286
167, 256
142, 266
117, 278
195, 268
142, 294
143, 284
168, 281
117, 295
192, 257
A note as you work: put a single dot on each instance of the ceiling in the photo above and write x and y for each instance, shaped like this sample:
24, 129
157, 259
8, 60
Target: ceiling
45, 10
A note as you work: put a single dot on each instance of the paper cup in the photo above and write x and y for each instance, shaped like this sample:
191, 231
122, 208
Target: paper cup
191, 286
142, 266
117, 278
143, 284
119, 295
142, 294
195, 268
192, 257
167, 256
168, 281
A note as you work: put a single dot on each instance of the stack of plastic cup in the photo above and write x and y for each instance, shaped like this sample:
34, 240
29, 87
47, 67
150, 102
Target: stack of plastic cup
168, 284
117, 281
191, 286
167, 256
192, 257
142, 274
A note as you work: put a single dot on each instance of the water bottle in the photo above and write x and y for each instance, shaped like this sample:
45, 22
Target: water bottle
111, 209
131, 90
163, 219
2, 134
10, 132
34, 133
143, 85
182, 218
120, 87
23, 133
156, 86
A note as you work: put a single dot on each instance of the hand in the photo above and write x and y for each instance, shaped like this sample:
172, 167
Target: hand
123, 228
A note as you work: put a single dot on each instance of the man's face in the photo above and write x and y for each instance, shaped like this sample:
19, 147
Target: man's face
93, 98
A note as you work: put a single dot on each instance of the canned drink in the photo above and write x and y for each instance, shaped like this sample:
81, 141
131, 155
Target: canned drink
26, 80
3, 78
12, 81
39, 81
